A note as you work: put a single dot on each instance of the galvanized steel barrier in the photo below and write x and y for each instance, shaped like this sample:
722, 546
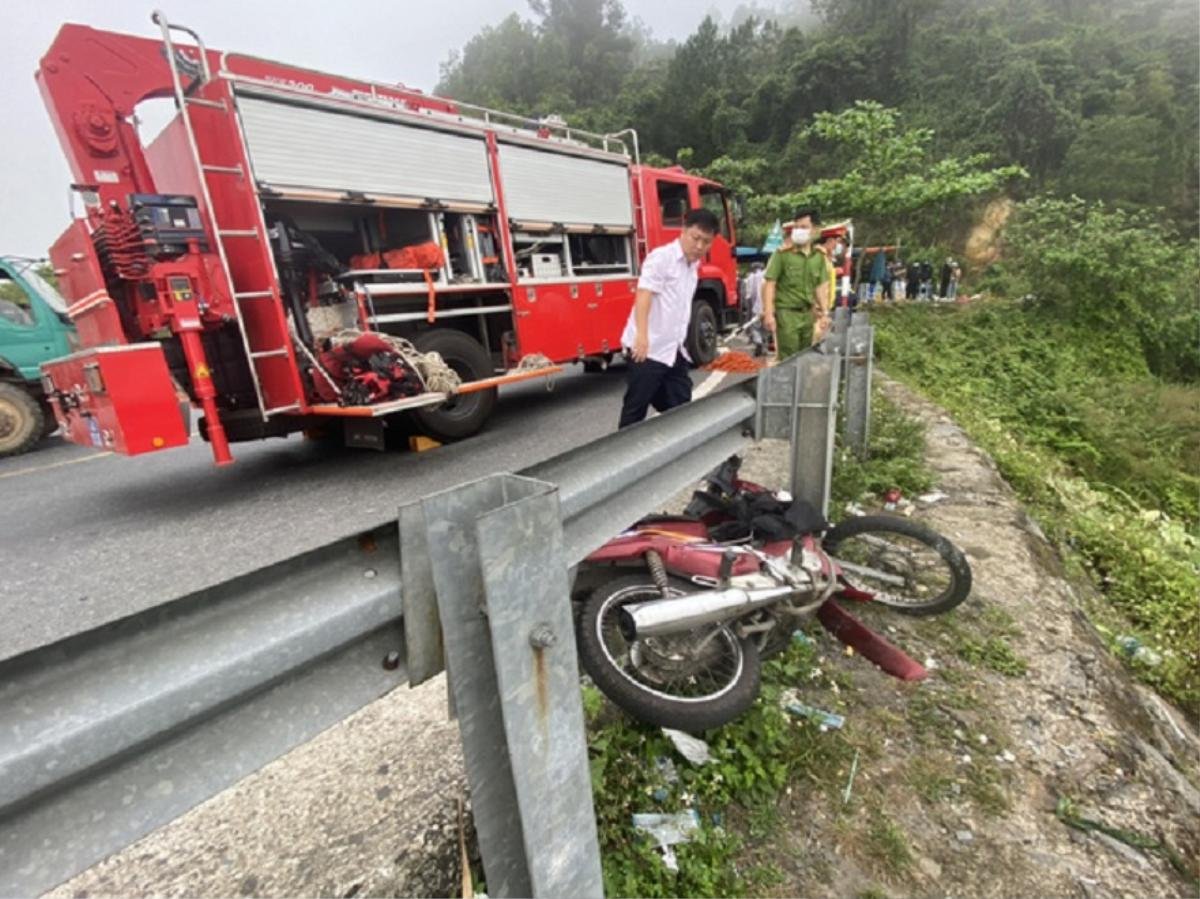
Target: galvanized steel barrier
109, 734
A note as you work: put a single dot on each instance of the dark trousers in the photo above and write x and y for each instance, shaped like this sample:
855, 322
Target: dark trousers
651, 383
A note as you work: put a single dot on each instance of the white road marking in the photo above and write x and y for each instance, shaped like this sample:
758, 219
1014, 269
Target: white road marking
36, 468
709, 384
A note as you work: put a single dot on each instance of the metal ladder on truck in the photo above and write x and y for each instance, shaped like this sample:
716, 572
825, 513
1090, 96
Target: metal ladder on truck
279, 347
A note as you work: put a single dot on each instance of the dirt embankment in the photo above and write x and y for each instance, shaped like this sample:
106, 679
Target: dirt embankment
969, 783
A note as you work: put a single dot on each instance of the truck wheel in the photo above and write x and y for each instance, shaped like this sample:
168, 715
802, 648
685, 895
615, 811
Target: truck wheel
702, 334
459, 416
51, 423
21, 420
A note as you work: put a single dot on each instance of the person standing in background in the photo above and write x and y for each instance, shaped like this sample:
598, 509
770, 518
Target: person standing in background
912, 278
828, 244
899, 281
796, 288
952, 285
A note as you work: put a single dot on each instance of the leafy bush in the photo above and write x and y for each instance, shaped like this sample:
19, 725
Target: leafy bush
1125, 272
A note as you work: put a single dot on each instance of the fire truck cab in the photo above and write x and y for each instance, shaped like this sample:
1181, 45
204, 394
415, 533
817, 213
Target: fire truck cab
292, 245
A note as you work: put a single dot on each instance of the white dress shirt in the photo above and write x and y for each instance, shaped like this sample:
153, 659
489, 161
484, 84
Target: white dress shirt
671, 280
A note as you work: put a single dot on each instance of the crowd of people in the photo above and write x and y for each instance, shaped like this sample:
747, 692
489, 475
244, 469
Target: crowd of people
894, 280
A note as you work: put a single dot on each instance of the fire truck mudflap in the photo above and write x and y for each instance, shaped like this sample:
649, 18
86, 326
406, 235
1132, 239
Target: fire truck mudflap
118, 398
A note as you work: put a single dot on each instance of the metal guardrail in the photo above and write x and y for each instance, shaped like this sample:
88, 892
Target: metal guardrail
109, 734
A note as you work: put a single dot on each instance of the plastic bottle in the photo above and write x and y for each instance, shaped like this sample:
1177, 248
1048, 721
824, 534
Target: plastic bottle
1133, 649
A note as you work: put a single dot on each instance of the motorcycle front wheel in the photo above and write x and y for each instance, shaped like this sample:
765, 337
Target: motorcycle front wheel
903, 564
694, 681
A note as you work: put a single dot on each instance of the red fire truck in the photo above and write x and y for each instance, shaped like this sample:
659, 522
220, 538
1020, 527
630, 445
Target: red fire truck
282, 209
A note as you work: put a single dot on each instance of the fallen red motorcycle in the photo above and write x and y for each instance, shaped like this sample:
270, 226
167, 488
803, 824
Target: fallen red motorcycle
688, 605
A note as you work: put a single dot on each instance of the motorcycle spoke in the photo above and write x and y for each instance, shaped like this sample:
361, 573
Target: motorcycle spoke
694, 666
896, 568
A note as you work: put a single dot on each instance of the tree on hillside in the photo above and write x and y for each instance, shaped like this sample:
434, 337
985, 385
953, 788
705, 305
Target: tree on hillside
1027, 120
888, 175
1094, 97
572, 54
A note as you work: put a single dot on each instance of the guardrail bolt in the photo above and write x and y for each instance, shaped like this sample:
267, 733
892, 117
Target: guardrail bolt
391, 661
542, 637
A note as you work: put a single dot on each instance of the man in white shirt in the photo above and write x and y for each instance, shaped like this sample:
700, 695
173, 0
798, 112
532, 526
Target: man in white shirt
657, 328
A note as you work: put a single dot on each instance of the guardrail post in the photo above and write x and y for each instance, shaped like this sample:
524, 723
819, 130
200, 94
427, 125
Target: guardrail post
841, 318
814, 426
498, 567
859, 353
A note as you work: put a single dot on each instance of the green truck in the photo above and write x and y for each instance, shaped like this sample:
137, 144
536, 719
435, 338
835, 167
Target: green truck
34, 328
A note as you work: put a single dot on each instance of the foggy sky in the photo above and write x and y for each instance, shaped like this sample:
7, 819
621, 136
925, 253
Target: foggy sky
383, 41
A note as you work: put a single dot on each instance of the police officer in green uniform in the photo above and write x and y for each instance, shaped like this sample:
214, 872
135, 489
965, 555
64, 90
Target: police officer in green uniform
796, 289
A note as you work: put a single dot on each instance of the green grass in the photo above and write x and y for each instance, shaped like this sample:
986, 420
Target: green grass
887, 843
896, 460
1103, 455
993, 653
757, 756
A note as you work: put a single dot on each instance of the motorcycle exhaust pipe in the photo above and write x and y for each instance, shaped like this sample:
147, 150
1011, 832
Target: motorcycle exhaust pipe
661, 617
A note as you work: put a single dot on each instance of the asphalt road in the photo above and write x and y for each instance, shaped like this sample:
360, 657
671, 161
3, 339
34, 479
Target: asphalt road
87, 537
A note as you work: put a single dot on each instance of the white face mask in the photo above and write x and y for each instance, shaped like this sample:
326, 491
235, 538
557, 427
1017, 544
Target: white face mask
839, 249
801, 235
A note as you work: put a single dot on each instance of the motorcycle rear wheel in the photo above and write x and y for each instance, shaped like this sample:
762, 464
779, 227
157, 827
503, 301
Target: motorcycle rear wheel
684, 682
903, 564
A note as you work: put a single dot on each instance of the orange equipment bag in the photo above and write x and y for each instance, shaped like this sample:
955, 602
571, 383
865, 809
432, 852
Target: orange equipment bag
424, 256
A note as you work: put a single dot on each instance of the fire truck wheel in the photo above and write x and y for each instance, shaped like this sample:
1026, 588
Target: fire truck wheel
21, 420
702, 334
464, 415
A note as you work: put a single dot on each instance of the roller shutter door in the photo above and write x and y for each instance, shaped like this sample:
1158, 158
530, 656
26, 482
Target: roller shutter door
570, 190
294, 146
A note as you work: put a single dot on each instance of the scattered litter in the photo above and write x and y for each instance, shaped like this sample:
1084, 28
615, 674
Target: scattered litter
803, 639
965, 758
667, 831
964, 836
932, 664
848, 651
826, 720
891, 497
850, 779
959, 735
1006, 756
691, 748
928, 499
855, 509
666, 769
1133, 649
983, 739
